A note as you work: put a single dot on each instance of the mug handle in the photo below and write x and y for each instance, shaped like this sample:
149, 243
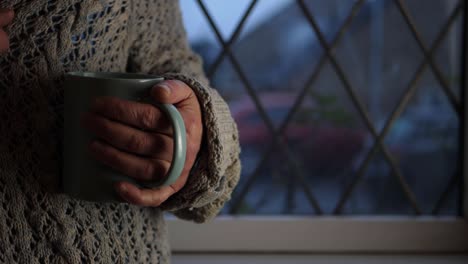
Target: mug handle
179, 149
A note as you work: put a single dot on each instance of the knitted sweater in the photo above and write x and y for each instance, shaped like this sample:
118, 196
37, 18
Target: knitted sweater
38, 223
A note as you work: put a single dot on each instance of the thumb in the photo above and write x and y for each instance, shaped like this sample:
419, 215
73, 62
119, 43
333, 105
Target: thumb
171, 92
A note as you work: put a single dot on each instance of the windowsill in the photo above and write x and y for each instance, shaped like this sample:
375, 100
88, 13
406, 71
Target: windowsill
320, 259
322, 235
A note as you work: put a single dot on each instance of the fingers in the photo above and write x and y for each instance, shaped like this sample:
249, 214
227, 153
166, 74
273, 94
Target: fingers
148, 117
154, 197
129, 164
128, 138
139, 115
6, 17
144, 197
115, 121
151, 197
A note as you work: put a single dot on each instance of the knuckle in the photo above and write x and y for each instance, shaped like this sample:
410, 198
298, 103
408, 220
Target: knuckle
162, 168
149, 171
109, 155
148, 118
110, 106
151, 146
103, 124
165, 143
114, 157
136, 142
117, 106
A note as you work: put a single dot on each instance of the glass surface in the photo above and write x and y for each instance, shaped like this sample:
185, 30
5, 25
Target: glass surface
307, 161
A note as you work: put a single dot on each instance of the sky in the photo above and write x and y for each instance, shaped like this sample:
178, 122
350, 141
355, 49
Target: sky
227, 14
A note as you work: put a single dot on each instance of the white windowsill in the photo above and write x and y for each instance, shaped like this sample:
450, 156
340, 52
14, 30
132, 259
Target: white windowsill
326, 235
319, 259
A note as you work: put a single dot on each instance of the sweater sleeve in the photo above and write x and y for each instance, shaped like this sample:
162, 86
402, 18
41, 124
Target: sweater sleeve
160, 47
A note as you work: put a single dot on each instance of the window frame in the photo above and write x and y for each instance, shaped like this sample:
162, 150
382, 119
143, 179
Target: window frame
336, 234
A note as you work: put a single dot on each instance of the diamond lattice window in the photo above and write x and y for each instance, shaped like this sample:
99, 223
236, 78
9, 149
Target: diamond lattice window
343, 107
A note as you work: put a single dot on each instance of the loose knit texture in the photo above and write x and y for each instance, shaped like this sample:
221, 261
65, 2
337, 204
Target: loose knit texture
49, 38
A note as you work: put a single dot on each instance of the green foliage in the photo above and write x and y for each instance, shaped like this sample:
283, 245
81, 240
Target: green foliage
328, 110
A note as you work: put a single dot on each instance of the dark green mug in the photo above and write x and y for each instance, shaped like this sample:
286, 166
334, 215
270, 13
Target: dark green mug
85, 178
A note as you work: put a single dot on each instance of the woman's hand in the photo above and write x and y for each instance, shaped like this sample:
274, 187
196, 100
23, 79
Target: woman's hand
147, 154
6, 16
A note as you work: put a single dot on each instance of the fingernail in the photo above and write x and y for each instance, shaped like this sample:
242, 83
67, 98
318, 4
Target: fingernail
164, 87
123, 188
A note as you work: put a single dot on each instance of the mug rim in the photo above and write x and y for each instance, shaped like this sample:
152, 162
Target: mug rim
121, 76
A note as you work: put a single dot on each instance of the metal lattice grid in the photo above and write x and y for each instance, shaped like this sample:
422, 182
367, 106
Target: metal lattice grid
328, 47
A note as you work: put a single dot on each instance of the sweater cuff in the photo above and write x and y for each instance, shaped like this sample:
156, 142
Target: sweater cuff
217, 168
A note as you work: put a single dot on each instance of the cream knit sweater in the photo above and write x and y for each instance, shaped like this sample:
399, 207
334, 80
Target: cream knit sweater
38, 224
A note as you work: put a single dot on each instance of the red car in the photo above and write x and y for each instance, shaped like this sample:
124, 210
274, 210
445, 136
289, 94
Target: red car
320, 144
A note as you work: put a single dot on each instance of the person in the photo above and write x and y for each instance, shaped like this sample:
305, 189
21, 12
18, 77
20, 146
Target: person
40, 41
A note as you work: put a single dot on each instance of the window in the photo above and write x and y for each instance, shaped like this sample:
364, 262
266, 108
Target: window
345, 109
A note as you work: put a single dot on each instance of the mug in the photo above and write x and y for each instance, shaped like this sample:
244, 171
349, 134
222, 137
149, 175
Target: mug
84, 177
